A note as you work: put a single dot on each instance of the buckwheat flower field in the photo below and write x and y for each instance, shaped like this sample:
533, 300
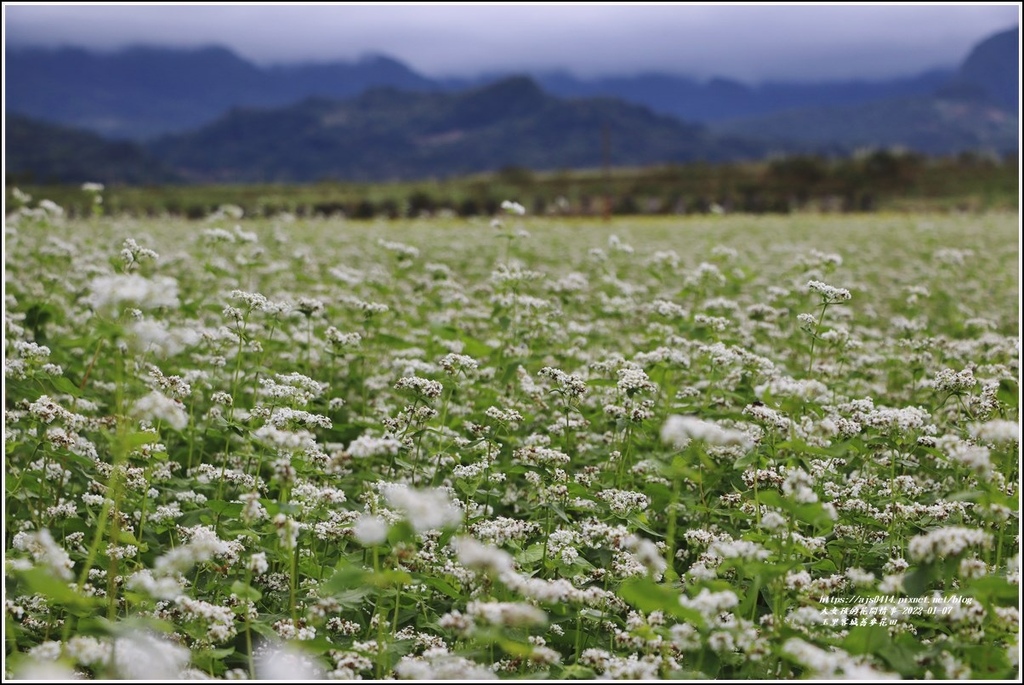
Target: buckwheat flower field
678, 447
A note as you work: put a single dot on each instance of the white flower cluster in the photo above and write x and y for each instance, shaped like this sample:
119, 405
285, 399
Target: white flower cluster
898, 422
370, 530
513, 208
946, 542
480, 557
45, 551
709, 603
295, 387
453, 363
624, 502
366, 446
402, 250
132, 253
570, 384
997, 432
219, 620
829, 294
108, 292
439, 664
426, 509
504, 416
283, 416
832, 664
535, 455
768, 417
284, 440
611, 667
159, 407
633, 380
339, 339
422, 386
510, 614
680, 430
502, 529
975, 457
955, 382
202, 545
282, 661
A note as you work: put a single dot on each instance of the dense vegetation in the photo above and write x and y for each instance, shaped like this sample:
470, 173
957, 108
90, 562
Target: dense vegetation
677, 447
874, 181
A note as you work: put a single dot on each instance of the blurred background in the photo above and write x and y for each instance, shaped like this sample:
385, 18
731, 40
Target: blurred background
201, 95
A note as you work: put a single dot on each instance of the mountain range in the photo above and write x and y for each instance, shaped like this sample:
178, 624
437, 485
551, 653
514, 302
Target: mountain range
207, 114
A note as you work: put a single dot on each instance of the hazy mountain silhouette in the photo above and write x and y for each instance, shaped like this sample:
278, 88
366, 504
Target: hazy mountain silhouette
210, 115
38, 152
388, 134
975, 109
144, 92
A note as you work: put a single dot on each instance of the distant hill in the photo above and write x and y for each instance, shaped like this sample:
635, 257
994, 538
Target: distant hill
991, 72
208, 115
38, 152
143, 92
932, 125
975, 109
718, 98
387, 134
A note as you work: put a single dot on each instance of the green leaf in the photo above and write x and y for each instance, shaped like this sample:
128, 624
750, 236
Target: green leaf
133, 440
245, 591
224, 509
577, 672
64, 385
866, 639
992, 589
813, 514
54, 589
509, 372
746, 460
388, 578
917, 582
531, 555
648, 596
401, 531
206, 658
438, 584
902, 654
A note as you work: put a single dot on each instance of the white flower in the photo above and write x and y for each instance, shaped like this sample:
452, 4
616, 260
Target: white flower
946, 542
370, 530
141, 656
108, 292
427, 509
45, 551
829, 294
506, 613
286, 662
679, 430
158, 406
480, 557
513, 208
997, 432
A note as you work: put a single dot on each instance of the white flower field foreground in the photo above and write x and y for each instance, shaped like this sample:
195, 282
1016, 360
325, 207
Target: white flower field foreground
664, 448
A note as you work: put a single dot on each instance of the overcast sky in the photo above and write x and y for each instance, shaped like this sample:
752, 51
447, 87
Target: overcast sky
750, 43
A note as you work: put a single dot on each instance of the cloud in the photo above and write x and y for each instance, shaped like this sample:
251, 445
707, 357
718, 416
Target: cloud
747, 42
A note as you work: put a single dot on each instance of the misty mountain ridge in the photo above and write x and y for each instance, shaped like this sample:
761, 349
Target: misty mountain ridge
143, 92
388, 134
976, 108
231, 121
